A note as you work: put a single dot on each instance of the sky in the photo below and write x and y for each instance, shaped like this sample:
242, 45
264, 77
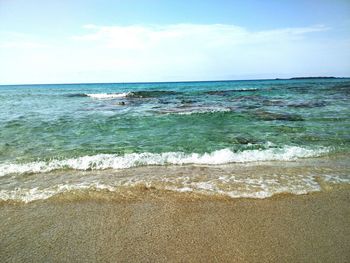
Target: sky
86, 41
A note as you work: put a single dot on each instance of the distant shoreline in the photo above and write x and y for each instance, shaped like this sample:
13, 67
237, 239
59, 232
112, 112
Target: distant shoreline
305, 78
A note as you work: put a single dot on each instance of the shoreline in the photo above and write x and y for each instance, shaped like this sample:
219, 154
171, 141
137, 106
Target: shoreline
236, 180
161, 227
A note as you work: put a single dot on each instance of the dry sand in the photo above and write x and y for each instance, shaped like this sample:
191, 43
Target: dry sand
166, 227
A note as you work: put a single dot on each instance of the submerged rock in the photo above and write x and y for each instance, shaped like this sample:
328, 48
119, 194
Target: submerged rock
184, 101
288, 129
76, 95
271, 116
246, 140
274, 103
255, 98
307, 104
152, 93
228, 92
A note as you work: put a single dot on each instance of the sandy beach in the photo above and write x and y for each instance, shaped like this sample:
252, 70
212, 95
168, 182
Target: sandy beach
168, 227
174, 131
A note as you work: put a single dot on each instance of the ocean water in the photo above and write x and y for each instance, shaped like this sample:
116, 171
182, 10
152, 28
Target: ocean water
235, 138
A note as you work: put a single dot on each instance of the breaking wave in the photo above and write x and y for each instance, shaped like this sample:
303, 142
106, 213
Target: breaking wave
113, 161
133, 94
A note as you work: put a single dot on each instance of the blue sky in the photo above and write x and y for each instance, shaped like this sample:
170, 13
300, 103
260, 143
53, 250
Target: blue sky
129, 41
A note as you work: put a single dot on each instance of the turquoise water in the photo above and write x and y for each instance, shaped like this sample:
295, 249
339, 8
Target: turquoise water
43, 122
115, 126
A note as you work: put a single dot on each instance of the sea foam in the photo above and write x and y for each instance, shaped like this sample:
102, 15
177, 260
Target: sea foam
113, 161
108, 95
228, 185
191, 111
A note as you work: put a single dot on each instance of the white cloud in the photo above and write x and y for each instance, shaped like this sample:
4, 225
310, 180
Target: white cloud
187, 51
178, 52
142, 37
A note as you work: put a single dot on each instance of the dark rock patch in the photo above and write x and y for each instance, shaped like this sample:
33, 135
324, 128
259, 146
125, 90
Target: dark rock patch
74, 95
315, 104
228, 92
274, 103
245, 140
272, 116
151, 93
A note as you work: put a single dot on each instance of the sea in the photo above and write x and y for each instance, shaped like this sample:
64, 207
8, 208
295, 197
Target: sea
238, 139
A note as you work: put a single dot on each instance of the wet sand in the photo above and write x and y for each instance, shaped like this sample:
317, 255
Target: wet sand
168, 227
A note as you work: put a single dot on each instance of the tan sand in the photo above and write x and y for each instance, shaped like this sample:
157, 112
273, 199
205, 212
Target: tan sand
165, 227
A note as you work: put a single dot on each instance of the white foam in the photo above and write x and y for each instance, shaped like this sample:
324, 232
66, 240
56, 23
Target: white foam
231, 186
247, 89
246, 187
28, 195
195, 110
108, 95
337, 179
208, 110
112, 161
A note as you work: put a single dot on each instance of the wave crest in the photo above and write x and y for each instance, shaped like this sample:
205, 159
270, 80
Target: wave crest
113, 161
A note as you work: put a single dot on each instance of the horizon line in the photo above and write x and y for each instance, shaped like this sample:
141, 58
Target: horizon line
181, 81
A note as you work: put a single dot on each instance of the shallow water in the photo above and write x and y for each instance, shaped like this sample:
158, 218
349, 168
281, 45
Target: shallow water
96, 135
